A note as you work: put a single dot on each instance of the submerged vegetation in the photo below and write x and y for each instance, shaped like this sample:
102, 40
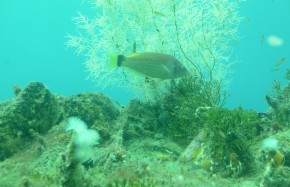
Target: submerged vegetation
182, 139
230, 137
279, 100
183, 101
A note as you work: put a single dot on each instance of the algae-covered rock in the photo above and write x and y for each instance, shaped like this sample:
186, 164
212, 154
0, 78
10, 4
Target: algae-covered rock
95, 109
34, 107
142, 119
279, 177
34, 110
91, 108
142, 143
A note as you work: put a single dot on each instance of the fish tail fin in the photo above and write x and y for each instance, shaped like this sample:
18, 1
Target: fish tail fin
113, 61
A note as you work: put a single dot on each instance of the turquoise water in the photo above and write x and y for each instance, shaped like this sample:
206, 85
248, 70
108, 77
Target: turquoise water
252, 75
33, 49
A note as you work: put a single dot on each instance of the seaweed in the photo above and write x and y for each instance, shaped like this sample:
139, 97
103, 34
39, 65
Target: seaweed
182, 102
279, 101
231, 134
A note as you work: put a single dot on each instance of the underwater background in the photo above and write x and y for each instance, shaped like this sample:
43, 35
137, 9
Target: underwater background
67, 118
33, 37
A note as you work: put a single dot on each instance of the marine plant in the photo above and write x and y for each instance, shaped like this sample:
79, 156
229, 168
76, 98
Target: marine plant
174, 112
230, 135
134, 183
181, 103
279, 101
198, 33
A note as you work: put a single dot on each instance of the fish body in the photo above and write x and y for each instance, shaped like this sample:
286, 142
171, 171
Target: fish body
156, 65
282, 59
262, 39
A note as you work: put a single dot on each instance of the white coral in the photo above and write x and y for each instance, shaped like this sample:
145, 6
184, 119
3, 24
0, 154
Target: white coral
199, 33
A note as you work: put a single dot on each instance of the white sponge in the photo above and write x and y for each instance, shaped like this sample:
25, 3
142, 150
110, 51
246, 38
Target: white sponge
84, 139
270, 143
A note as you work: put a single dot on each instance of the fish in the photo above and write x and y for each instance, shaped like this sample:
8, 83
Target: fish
275, 69
155, 65
262, 38
282, 59
248, 19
